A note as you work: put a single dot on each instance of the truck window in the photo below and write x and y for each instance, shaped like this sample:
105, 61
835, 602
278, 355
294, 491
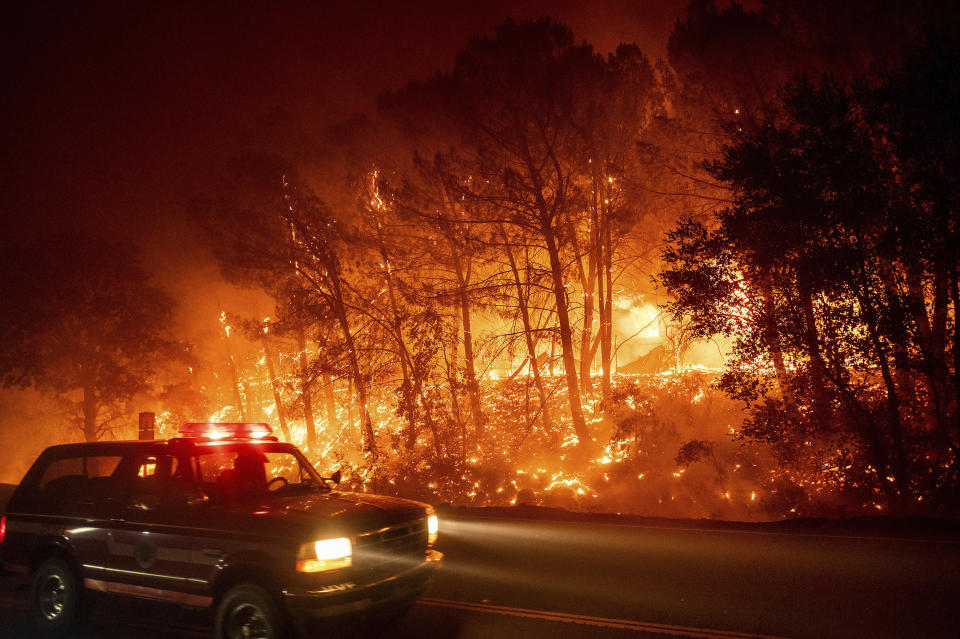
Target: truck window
61, 468
80, 467
102, 465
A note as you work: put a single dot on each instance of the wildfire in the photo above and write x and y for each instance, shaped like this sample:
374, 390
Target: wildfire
223, 323
628, 470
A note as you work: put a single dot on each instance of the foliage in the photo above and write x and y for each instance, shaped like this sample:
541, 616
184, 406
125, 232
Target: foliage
832, 269
81, 319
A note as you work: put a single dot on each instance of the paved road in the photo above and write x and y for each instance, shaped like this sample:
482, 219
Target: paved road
533, 579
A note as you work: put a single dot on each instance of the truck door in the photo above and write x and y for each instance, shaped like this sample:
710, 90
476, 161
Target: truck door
149, 553
75, 489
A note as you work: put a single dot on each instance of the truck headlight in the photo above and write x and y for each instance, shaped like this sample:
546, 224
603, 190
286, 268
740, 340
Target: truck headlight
325, 554
433, 526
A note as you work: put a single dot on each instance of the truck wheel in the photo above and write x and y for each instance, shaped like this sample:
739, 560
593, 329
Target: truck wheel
56, 599
249, 612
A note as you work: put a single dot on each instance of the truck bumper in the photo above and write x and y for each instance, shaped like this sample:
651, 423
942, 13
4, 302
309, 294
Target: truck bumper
349, 598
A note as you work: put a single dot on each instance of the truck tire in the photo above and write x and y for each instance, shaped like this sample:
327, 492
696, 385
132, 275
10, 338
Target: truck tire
248, 611
57, 602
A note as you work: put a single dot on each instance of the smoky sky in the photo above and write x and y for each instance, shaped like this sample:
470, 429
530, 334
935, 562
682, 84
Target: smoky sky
116, 114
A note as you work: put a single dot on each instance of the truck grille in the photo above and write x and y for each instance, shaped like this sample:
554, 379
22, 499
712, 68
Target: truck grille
402, 543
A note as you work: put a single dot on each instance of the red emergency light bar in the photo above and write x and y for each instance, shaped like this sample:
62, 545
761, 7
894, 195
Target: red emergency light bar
223, 430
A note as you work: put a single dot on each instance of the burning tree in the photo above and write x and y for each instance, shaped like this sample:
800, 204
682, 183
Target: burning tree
516, 105
544, 133
283, 233
429, 197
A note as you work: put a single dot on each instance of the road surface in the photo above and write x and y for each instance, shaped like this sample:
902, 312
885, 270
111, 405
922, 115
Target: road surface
530, 579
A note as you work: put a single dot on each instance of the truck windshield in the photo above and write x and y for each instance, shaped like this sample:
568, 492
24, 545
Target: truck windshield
252, 470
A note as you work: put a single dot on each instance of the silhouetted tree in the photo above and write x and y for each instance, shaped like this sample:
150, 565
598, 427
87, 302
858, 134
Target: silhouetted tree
82, 319
831, 269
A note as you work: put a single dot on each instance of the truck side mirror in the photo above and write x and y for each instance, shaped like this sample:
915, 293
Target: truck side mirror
336, 477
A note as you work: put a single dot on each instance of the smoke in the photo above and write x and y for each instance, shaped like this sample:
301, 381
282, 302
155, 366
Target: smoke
29, 422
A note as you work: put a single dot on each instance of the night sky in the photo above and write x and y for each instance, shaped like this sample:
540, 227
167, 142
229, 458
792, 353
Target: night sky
115, 116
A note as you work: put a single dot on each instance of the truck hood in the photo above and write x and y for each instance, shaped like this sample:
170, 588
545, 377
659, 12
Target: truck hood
334, 513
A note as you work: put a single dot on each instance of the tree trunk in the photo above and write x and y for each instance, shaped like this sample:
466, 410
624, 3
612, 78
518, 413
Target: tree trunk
469, 370
605, 287
931, 338
566, 335
366, 432
406, 364
275, 385
547, 214
330, 402
528, 336
235, 380
812, 341
588, 280
90, 410
773, 343
900, 464
431, 424
305, 394
450, 368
